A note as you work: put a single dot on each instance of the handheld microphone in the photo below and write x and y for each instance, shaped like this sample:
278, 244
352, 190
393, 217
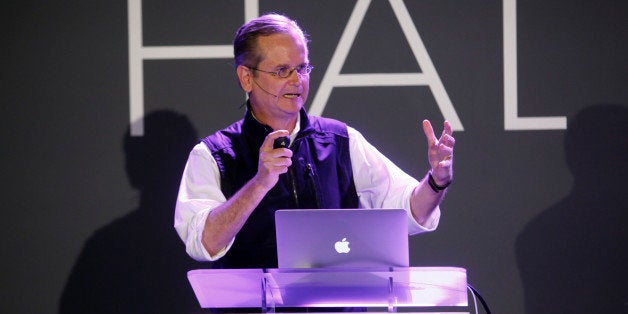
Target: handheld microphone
267, 92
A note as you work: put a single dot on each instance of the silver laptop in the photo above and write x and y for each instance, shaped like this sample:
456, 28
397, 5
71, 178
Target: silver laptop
319, 238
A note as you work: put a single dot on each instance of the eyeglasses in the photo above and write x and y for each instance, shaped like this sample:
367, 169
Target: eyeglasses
284, 72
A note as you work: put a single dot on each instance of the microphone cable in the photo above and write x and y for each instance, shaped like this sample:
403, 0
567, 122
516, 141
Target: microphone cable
475, 294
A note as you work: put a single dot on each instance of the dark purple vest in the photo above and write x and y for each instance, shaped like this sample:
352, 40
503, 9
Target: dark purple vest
320, 177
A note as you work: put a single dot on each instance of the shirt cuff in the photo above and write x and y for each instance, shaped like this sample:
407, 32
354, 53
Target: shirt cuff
430, 224
413, 226
200, 225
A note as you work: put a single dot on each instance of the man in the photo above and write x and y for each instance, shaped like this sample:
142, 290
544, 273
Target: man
234, 179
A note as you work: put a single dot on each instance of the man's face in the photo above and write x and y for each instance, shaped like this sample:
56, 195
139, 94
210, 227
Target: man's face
279, 51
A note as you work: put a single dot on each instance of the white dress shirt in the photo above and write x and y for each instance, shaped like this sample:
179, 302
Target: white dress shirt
379, 184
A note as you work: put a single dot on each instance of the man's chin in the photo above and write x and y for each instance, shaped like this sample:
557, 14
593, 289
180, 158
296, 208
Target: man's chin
292, 105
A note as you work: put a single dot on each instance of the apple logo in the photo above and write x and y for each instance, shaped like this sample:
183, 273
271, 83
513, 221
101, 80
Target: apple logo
342, 246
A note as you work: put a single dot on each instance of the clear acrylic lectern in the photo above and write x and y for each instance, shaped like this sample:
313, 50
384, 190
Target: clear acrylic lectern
421, 287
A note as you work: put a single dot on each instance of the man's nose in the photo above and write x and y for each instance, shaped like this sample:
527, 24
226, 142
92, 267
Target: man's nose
295, 77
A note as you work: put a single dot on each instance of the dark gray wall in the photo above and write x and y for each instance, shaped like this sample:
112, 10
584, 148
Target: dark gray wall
535, 221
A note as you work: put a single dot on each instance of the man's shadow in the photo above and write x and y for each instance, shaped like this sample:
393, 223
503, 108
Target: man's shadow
137, 263
573, 256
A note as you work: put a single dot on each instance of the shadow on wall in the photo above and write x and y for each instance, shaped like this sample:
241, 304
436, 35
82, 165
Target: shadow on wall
573, 256
138, 264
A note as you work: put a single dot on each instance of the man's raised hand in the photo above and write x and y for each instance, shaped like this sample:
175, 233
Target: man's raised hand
440, 152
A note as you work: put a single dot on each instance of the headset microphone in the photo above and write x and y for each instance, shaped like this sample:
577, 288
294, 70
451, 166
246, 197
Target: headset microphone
267, 92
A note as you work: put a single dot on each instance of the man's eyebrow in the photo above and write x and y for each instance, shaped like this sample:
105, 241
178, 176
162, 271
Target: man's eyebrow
288, 66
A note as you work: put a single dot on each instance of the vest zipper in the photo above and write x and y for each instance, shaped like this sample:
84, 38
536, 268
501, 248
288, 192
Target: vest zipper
294, 186
311, 175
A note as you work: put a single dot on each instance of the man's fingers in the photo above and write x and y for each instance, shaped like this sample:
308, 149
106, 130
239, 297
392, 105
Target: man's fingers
270, 139
429, 132
276, 157
447, 130
447, 140
275, 160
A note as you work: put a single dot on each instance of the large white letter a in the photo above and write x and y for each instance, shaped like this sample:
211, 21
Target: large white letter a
429, 77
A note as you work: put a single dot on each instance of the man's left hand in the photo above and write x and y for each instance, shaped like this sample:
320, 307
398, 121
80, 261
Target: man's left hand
440, 153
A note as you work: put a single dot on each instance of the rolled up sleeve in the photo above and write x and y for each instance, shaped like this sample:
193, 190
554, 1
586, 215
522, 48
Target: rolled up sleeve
199, 194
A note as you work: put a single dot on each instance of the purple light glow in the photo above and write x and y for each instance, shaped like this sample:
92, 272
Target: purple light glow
414, 286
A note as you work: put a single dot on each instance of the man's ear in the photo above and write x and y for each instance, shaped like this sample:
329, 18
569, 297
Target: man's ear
245, 77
